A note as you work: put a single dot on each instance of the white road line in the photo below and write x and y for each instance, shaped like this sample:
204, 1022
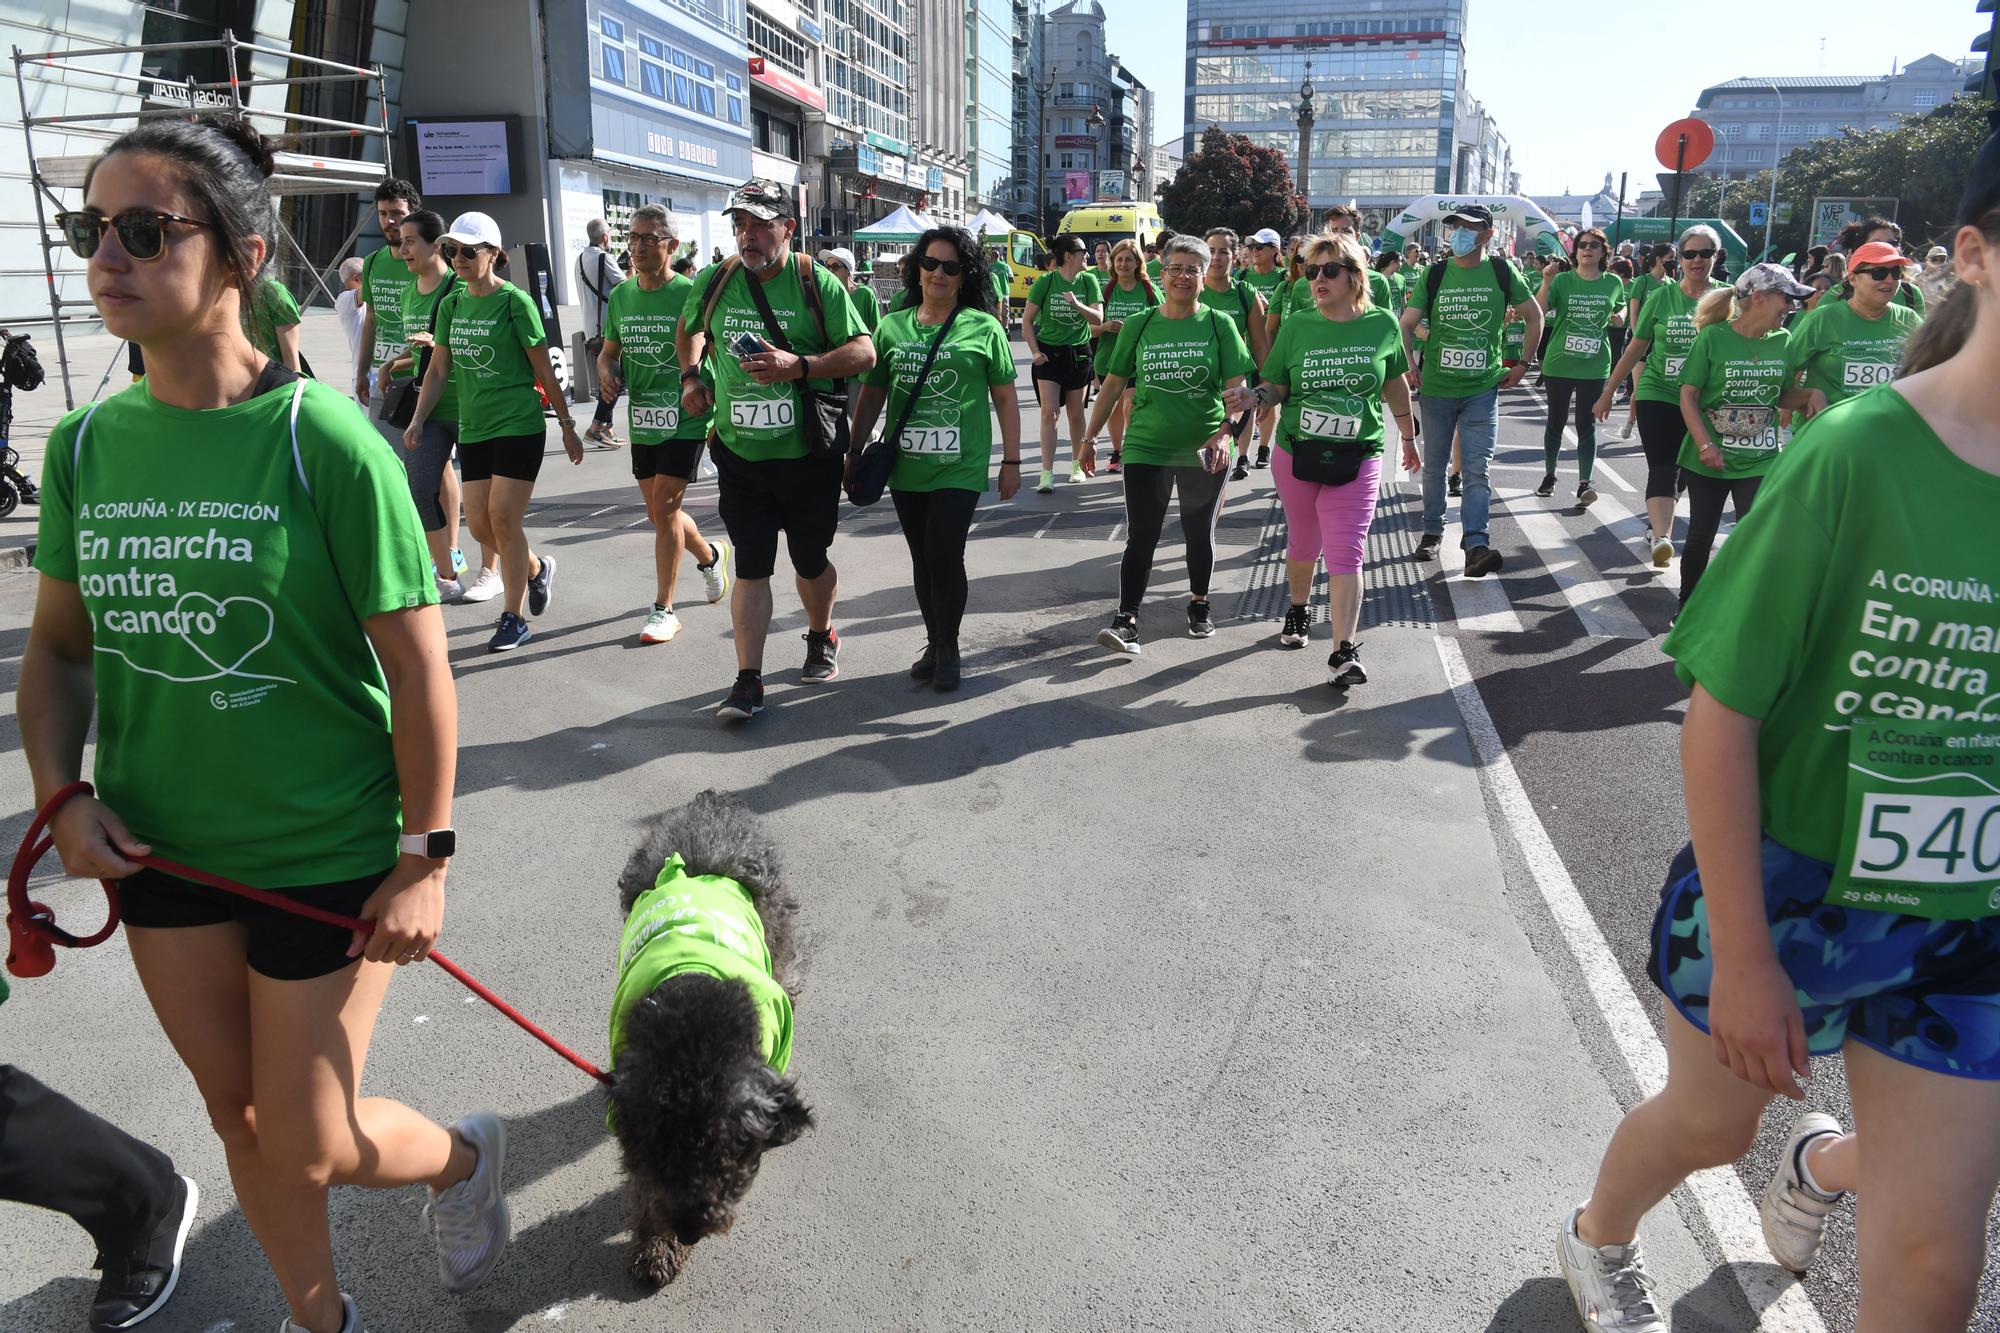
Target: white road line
1718, 1193
1569, 434
572, 522
1116, 528
1046, 526
1478, 606
1595, 601
1630, 530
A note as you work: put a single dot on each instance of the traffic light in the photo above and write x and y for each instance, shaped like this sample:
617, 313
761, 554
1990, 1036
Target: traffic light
1981, 84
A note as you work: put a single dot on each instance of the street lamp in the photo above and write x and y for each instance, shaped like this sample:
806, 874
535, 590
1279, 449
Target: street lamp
1305, 138
1095, 122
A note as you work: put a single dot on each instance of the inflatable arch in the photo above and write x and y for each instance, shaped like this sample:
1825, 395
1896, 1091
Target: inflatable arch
1534, 227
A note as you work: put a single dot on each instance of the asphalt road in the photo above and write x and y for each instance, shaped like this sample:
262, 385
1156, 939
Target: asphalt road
1176, 992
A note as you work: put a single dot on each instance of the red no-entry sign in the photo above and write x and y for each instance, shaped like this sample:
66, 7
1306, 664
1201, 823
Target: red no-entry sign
1700, 142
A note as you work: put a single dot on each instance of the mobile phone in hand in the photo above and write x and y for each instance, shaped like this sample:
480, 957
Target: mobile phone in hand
748, 344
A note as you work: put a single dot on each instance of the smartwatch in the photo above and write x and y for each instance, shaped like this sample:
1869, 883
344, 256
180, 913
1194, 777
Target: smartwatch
436, 845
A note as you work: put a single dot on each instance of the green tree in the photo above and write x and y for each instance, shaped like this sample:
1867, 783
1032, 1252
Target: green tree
1231, 182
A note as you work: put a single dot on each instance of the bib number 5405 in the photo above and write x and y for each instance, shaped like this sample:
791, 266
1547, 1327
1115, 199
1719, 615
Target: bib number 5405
1928, 839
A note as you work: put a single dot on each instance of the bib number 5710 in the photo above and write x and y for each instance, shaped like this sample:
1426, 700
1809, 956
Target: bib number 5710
762, 414
1928, 839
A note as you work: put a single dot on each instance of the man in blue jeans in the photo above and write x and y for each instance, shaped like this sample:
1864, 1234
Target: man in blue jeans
1459, 306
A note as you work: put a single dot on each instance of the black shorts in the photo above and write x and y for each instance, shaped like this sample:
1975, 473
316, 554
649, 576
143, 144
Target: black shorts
276, 943
515, 457
1066, 366
799, 497
669, 458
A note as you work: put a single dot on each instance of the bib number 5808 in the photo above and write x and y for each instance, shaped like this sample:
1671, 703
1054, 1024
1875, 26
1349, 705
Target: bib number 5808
1928, 839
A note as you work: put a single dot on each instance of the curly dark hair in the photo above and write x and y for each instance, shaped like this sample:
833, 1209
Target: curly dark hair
975, 286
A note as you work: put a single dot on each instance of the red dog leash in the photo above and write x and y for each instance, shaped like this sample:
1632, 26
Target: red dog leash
32, 932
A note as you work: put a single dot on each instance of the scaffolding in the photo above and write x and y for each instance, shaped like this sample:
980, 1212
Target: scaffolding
296, 172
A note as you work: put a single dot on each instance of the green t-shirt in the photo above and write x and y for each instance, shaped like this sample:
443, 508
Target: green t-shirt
1666, 326
228, 560
1000, 278
1264, 284
273, 309
1580, 311
1153, 267
643, 324
1842, 353
1057, 323
948, 441
383, 277
1334, 371
1839, 599
703, 924
1177, 368
1733, 371
1121, 305
761, 421
487, 337
416, 317
1642, 286
1236, 301
1462, 357
867, 305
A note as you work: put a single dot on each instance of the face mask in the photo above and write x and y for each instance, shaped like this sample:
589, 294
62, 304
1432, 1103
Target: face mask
1464, 241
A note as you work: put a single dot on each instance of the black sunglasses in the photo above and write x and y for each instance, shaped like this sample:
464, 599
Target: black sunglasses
1590, 245
453, 251
931, 264
1329, 270
141, 234
1699, 254
1880, 272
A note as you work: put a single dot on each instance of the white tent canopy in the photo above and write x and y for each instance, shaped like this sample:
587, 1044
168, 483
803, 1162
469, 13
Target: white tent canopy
901, 225
989, 222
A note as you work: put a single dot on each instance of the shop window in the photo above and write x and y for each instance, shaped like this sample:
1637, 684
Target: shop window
612, 28
653, 80
614, 63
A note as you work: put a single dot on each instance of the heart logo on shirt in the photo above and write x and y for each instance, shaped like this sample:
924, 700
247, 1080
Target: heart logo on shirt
1468, 317
943, 383
476, 356
1192, 380
227, 633
646, 352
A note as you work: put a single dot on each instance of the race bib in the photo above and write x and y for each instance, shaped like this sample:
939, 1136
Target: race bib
1922, 829
1672, 369
1867, 374
1579, 344
1317, 425
929, 440
763, 413
1462, 358
387, 349
655, 418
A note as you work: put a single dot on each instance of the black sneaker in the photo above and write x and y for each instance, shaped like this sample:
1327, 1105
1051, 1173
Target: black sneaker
1263, 455
1121, 635
925, 666
1298, 628
946, 678
1548, 486
1427, 546
746, 697
1481, 561
1199, 625
1586, 494
1454, 485
542, 586
1242, 469
137, 1283
822, 655
1343, 668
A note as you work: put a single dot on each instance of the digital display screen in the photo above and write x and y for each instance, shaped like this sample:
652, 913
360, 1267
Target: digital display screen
465, 157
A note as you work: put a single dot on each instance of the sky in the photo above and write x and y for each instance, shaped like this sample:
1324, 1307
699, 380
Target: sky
1573, 99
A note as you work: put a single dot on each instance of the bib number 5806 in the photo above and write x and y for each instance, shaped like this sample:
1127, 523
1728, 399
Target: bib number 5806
1928, 839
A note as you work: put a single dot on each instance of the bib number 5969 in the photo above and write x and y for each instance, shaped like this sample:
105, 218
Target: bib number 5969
1462, 358
1928, 839
763, 414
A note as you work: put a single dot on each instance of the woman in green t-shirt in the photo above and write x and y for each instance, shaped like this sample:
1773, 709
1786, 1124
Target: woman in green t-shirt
1129, 292
489, 346
1838, 896
1186, 365
234, 584
944, 440
1583, 305
1731, 390
1055, 323
1333, 367
274, 323
1850, 345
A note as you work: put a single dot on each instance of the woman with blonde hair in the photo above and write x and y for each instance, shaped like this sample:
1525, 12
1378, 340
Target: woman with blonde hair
1127, 291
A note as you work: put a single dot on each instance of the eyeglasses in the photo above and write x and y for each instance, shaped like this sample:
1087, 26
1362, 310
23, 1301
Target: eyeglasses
931, 264
639, 238
1879, 272
453, 251
1590, 245
1182, 271
141, 234
1329, 270
1699, 254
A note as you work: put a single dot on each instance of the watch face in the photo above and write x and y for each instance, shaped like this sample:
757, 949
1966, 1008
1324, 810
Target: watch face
439, 844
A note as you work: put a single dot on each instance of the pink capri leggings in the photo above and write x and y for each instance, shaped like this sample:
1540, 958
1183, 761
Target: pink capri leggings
1333, 519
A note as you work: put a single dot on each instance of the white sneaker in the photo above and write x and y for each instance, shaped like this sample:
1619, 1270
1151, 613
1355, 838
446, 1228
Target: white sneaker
1794, 1213
450, 590
1625, 431
469, 1220
715, 579
661, 626
484, 588
1663, 552
350, 1318
1077, 474
1611, 1288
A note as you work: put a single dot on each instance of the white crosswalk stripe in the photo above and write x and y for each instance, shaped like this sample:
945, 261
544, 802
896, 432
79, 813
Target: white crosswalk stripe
1479, 606
1594, 600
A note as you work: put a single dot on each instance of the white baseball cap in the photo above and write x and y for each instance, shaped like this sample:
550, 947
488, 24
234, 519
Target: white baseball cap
840, 255
1264, 236
474, 229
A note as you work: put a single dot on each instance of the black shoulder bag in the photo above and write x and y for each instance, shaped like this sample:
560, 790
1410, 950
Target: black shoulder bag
400, 409
824, 422
871, 472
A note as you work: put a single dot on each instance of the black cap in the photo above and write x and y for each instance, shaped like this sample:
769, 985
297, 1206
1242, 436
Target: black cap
763, 199
1982, 184
1475, 215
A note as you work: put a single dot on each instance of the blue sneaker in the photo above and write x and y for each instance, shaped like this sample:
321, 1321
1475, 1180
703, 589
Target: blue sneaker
512, 633
457, 561
540, 586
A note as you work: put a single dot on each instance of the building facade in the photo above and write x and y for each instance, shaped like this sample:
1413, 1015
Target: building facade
1393, 118
939, 127
1084, 119
1758, 120
989, 104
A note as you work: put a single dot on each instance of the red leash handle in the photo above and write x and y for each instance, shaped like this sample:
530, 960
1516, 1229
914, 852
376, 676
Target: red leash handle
33, 934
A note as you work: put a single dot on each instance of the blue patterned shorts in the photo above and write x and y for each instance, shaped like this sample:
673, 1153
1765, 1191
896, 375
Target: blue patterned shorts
1920, 991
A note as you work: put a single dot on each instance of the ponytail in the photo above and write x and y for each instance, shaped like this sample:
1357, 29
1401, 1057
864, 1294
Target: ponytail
1715, 308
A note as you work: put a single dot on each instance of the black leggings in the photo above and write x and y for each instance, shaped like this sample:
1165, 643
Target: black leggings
935, 524
1148, 487
1560, 391
1661, 431
1705, 497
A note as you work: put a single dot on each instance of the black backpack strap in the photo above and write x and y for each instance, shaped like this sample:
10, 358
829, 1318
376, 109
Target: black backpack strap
923, 374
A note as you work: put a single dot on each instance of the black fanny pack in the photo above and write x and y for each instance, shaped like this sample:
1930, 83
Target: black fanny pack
1329, 462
